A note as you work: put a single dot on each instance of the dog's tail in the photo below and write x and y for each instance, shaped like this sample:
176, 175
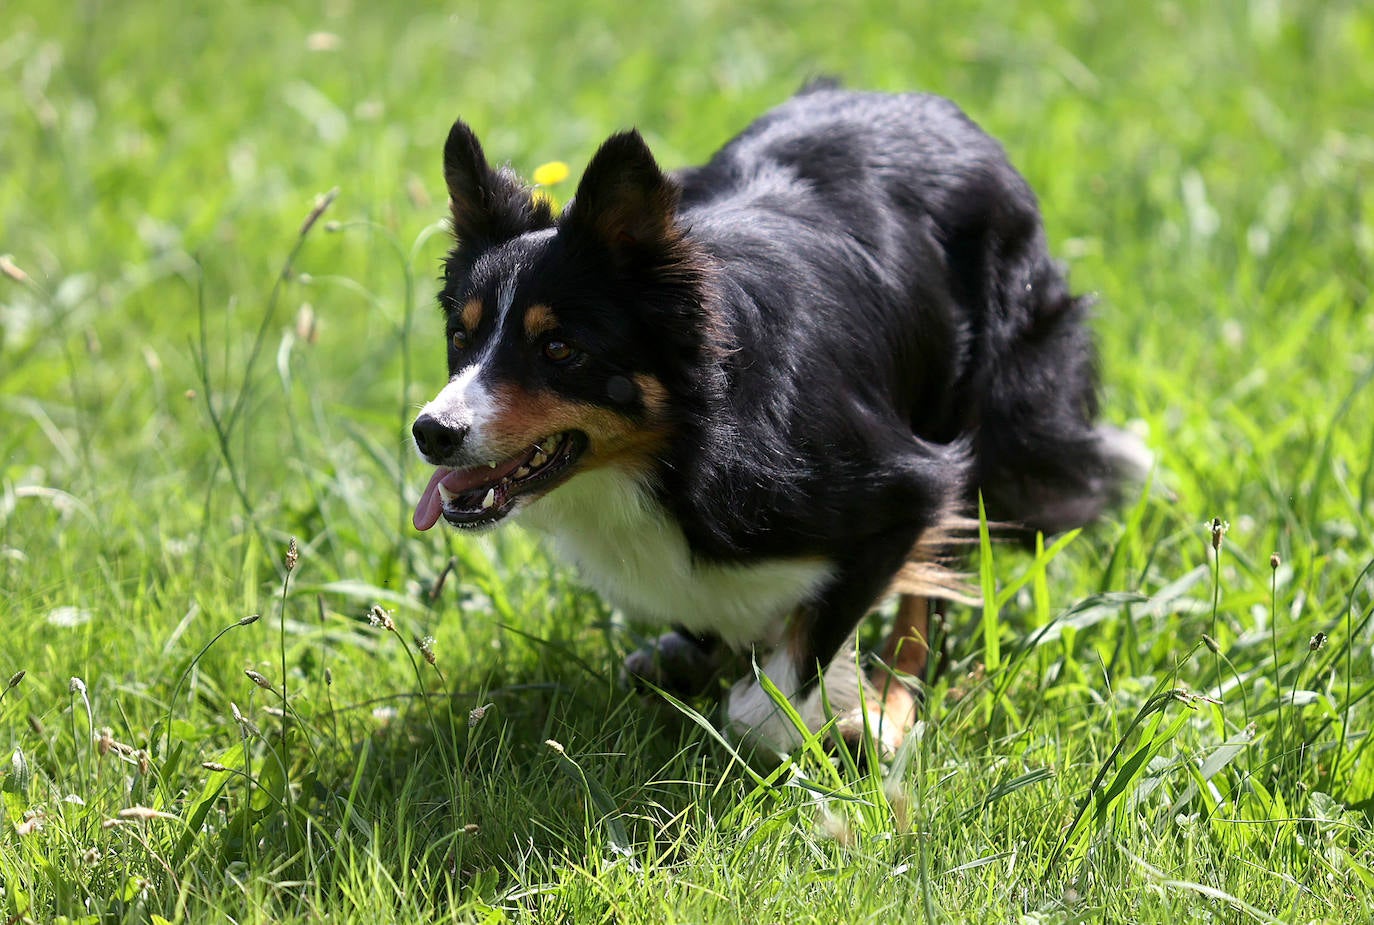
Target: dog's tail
1048, 482
1041, 458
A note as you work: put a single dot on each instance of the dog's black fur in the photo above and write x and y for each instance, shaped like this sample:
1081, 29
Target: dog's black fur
840, 330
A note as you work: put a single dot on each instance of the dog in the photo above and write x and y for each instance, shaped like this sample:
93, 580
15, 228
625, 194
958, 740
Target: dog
749, 398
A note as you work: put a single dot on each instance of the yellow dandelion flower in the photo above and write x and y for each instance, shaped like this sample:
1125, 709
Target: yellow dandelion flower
552, 173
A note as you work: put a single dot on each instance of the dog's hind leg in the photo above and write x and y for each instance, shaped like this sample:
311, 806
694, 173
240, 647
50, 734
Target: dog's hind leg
907, 649
903, 662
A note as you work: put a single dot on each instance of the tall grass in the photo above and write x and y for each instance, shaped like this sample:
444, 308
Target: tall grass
202, 370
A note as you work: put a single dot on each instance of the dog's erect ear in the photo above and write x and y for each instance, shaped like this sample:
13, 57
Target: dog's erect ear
489, 206
623, 198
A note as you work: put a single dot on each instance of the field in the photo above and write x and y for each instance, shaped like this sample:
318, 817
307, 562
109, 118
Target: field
202, 720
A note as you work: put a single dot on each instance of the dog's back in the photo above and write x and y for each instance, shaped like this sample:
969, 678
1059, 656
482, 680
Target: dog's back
919, 276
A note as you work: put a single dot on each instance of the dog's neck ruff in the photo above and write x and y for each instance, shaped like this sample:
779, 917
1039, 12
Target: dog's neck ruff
631, 550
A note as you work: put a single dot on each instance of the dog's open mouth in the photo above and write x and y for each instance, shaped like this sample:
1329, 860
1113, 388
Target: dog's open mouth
482, 495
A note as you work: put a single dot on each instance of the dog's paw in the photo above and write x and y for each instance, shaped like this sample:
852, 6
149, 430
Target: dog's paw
675, 663
879, 703
892, 708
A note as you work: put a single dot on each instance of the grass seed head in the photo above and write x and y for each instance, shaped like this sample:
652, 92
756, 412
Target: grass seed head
15, 679
1274, 561
1218, 528
378, 616
476, 713
32, 822
258, 679
417, 194
11, 269
1317, 643
426, 644
244, 722
250, 619
143, 814
322, 41
321, 203
293, 554
307, 330
1211, 644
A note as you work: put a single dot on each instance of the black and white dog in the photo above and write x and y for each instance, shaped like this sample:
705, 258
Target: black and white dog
750, 398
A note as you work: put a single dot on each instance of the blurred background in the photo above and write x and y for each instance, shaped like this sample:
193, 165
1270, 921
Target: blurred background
188, 379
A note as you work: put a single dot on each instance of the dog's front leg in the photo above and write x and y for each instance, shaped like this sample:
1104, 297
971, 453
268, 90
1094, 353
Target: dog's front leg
680, 662
815, 665
879, 701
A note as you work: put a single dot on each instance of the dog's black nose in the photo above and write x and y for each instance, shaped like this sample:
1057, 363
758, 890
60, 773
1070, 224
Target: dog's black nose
437, 441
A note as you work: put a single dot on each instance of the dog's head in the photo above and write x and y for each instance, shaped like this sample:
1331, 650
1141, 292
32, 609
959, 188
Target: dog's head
565, 335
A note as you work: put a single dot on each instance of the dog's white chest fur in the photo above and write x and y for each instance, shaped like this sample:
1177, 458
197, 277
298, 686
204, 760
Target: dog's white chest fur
634, 554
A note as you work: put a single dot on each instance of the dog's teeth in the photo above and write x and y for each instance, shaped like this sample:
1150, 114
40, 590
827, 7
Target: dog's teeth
491, 465
445, 495
521, 472
539, 458
489, 499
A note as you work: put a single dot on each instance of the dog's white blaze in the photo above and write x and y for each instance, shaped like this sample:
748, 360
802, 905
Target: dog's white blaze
505, 296
466, 402
632, 552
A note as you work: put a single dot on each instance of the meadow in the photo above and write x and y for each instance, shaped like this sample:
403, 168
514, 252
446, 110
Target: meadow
238, 686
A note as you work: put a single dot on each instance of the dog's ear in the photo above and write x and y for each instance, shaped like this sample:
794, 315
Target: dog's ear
489, 206
624, 198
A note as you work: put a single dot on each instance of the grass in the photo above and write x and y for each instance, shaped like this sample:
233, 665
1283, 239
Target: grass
1172, 728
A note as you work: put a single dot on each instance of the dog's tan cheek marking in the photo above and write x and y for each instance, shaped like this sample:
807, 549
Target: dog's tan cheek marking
471, 315
529, 416
613, 440
539, 319
653, 394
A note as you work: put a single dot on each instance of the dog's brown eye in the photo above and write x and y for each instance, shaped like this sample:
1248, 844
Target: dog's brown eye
557, 351
460, 339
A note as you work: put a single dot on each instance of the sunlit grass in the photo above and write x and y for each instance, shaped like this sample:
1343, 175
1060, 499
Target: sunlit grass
1155, 727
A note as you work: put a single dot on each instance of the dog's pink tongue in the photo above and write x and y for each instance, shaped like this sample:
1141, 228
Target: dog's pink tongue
431, 505
455, 480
